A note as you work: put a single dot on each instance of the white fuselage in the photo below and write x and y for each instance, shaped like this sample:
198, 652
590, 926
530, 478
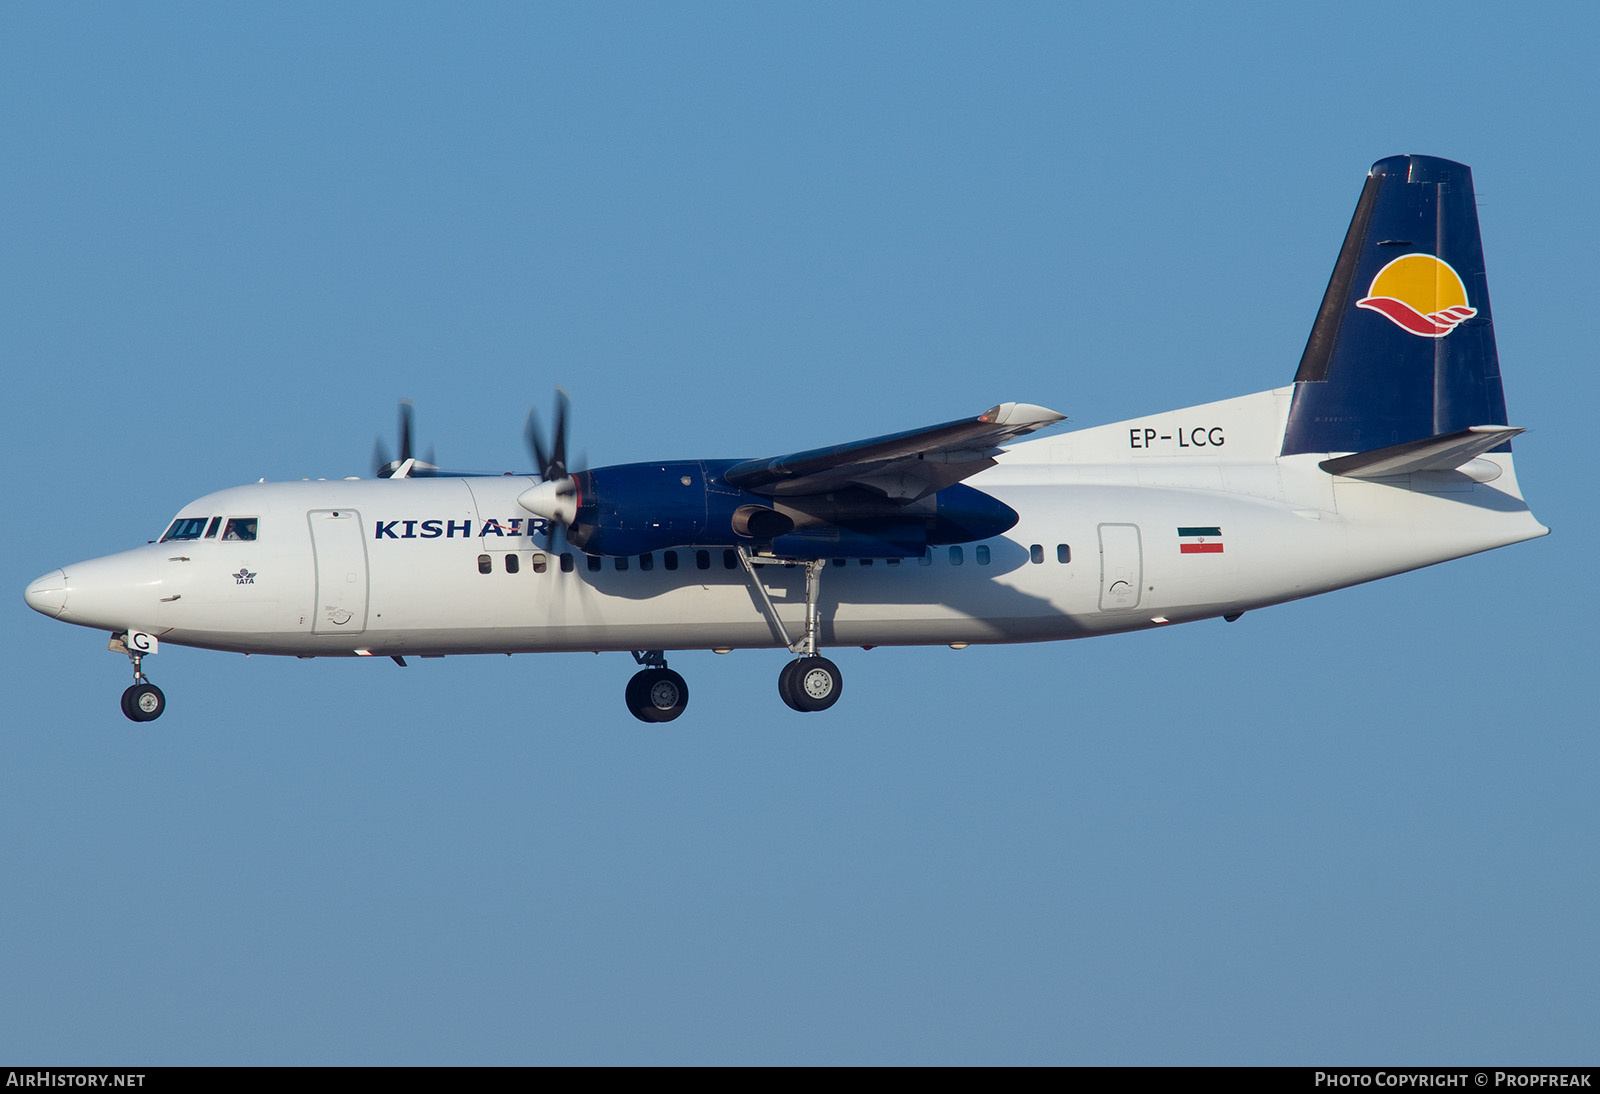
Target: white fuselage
1120, 528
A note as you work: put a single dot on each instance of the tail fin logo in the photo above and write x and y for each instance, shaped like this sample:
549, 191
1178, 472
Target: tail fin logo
1420, 294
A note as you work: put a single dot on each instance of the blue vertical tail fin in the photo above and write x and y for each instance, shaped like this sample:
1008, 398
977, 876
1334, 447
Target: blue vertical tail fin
1403, 345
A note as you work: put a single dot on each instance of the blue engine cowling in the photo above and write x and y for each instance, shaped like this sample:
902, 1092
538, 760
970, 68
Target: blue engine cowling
632, 509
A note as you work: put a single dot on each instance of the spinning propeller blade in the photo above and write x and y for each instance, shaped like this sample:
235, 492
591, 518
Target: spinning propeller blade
556, 497
383, 467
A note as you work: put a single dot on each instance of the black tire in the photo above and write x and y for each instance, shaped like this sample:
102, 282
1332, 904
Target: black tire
786, 688
814, 683
656, 695
143, 702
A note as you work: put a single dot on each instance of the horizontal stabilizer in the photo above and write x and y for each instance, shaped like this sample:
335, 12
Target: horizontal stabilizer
1445, 452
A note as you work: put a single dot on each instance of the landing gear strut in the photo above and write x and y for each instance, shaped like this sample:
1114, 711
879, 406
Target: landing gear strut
810, 682
656, 693
143, 701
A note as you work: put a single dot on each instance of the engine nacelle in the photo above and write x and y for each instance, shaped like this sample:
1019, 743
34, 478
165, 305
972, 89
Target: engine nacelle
903, 540
633, 509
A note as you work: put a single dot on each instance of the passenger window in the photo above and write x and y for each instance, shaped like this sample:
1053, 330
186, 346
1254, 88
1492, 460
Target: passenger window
211, 529
702, 560
485, 564
1036, 552
512, 564
892, 561
982, 553
243, 528
540, 562
566, 562
838, 562
866, 562
670, 559
1063, 553
730, 559
594, 562
956, 556
621, 563
927, 558
185, 528
647, 562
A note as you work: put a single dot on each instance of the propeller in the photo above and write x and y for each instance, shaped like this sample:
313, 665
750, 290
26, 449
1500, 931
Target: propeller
555, 498
552, 460
383, 467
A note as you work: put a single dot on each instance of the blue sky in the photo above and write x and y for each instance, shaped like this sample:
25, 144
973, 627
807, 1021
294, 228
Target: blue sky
1357, 829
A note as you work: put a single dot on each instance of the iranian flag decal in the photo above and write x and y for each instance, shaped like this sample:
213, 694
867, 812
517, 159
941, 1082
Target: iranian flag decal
1200, 541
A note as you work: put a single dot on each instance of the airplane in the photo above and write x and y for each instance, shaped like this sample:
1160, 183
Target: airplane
1389, 451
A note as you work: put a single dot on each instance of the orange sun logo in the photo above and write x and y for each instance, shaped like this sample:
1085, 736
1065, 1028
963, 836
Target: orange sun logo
1420, 294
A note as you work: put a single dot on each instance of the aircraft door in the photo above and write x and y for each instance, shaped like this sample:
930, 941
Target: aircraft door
1121, 567
341, 554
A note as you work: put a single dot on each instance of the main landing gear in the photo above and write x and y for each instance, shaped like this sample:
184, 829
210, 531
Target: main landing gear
143, 701
656, 693
808, 683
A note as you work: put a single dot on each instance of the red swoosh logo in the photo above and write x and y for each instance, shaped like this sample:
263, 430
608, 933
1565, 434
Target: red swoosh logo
1404, 316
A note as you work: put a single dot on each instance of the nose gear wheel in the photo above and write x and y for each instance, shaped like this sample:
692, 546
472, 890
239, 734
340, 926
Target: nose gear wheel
143, 701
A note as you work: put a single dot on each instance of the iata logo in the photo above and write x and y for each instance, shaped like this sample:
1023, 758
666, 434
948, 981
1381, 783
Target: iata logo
1420, 294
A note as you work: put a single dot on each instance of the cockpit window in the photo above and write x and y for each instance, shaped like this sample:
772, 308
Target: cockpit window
186, 528
211, 529
240, 528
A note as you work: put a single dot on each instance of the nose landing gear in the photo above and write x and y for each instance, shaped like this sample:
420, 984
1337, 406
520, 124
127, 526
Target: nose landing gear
143, 701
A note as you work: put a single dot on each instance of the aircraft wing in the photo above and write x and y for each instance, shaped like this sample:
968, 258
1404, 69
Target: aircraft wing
904, 466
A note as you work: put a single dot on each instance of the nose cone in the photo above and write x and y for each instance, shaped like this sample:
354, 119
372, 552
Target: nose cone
48, 595
141, 588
